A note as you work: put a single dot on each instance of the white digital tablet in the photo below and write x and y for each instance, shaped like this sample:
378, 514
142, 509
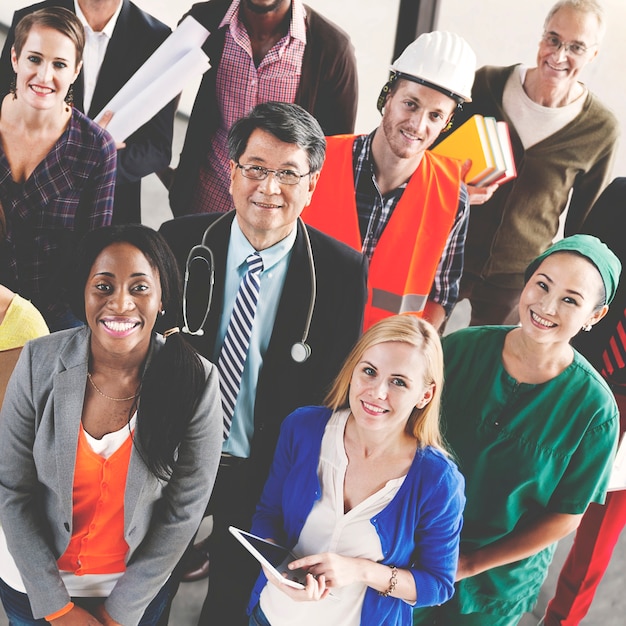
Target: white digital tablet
274, 557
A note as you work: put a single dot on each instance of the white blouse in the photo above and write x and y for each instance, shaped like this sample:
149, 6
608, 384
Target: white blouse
329, 529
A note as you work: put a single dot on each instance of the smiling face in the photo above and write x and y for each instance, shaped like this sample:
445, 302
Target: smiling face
387, 384
266, 209
45, 68
560, 298
561, 69
122, 301
413, 118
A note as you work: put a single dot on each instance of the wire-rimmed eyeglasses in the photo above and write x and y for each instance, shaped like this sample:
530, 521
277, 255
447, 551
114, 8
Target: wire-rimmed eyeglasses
257, 172
571, 47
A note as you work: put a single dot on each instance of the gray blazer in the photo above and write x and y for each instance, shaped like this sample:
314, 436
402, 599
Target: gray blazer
39, 427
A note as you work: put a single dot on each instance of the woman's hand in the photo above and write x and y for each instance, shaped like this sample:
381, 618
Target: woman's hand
338, 571
104, 617
77, 616
465, 568
315, 588
519, 544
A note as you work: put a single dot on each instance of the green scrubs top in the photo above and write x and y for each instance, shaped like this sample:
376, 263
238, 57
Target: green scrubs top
524, 450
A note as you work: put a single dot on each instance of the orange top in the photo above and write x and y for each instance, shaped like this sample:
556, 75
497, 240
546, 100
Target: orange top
97, 545
403, 266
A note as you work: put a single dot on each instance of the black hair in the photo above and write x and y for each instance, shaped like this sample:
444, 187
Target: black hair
174, 377
289, 123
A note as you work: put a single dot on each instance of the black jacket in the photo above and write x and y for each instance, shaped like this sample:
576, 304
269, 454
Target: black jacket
284, 385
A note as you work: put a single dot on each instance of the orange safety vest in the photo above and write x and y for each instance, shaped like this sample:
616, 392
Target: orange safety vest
97, 545
405, 260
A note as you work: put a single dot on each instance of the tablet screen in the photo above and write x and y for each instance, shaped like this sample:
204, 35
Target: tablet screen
273, 553
272, 556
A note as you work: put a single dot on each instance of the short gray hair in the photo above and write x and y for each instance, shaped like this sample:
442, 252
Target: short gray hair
584, 6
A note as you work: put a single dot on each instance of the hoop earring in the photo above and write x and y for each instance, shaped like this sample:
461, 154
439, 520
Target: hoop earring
69, 97
13, 86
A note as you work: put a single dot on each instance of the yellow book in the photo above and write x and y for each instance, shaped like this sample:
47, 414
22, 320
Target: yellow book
470, 141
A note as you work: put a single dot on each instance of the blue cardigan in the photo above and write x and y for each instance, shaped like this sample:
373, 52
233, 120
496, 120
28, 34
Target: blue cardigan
418, 530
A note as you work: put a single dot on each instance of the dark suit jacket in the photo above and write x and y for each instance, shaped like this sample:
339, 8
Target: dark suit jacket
328, 90
284, 385
135, 37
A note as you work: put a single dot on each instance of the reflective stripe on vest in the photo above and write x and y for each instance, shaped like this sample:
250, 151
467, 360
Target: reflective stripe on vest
394, 303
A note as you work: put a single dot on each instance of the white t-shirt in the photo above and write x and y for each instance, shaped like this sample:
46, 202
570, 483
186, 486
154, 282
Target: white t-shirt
534, 122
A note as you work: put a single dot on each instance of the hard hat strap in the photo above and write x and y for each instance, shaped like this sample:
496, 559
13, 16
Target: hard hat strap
458, 99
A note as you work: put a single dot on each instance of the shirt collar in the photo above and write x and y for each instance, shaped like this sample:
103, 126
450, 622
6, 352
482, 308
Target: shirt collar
297, 27
241, 249
110, 25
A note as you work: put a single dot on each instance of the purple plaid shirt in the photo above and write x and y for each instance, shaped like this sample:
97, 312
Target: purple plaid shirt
240, 86
69, 192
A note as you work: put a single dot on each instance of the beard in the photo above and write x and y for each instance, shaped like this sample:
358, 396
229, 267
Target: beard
261, 10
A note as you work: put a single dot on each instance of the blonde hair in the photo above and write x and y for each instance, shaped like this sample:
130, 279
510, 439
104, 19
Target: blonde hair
423, 424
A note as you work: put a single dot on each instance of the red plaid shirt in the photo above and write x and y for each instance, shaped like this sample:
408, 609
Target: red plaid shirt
240, 86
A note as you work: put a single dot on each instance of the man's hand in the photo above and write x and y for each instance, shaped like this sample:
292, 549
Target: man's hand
104, 121
477, 195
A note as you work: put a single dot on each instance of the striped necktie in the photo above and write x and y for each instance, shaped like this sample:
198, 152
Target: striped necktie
234, 351
614, 356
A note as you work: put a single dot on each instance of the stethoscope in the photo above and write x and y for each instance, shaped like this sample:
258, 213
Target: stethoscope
300, 351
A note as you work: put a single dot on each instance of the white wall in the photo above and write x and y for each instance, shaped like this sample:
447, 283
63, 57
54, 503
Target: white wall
500, 31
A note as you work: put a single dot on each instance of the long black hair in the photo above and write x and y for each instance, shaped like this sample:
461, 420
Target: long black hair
174, 377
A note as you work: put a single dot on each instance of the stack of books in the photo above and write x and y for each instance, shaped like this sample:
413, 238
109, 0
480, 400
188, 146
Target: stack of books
488, 144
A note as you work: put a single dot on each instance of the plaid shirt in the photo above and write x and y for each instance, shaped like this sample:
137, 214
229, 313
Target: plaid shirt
69, 192
240, 86
374, 210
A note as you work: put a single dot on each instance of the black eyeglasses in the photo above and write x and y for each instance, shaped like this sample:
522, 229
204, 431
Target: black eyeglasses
573, 47
285, 177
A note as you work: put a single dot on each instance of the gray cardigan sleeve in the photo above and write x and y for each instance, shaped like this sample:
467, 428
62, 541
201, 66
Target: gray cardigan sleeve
24, 498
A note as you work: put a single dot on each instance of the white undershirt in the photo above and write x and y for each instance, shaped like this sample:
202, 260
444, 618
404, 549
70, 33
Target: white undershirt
534, 122
329, 529
96, 43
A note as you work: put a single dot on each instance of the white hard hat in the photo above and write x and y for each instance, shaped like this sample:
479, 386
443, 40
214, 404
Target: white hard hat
441, 60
